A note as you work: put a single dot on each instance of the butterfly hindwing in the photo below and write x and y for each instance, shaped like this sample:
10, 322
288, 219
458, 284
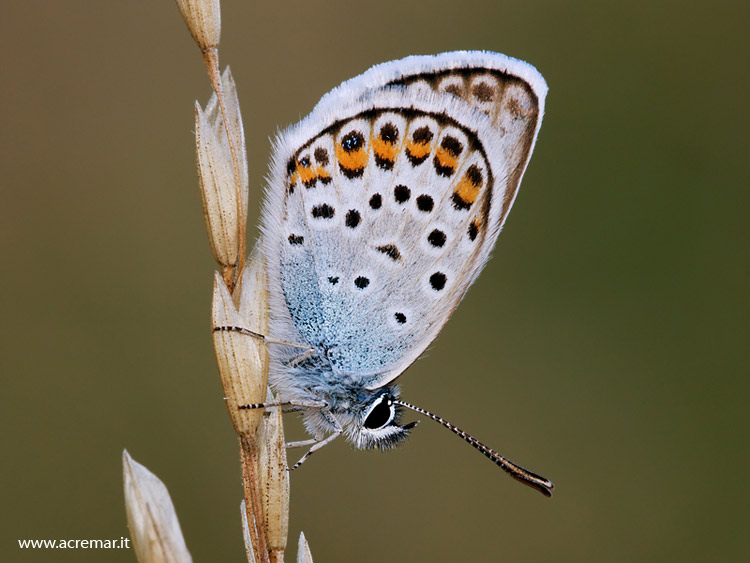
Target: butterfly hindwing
511, 92
385, 203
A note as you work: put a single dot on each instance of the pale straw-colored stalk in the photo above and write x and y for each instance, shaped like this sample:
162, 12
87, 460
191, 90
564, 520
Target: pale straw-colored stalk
152, 520
239, 300
303, 550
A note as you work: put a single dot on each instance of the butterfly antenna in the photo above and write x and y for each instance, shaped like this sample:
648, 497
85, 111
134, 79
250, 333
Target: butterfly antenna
526, 477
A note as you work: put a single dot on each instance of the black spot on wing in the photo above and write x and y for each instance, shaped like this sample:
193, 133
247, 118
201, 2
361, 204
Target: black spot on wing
437, 281
401, 193
352, 218
323, 211
390, 250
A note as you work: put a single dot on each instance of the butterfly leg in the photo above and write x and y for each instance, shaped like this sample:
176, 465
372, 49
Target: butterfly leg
316, 446
302, 443
301, 358
248, 332
318, 443
293, 404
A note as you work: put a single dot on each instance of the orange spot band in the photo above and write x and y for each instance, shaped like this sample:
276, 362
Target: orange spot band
322, 173
354, 160
445, 159
418, 150
467, 190
384, 149
306, 174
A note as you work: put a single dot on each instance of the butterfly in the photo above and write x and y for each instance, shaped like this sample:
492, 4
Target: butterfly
382, 207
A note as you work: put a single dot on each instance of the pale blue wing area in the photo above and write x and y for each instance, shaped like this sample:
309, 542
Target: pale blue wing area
353, 335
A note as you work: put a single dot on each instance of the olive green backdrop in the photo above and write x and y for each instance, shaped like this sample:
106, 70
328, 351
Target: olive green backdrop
604, 346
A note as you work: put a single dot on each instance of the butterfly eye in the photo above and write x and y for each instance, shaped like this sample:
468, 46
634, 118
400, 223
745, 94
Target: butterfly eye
381, 413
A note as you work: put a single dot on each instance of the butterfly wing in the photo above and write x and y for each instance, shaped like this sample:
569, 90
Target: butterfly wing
385, 202
510, 92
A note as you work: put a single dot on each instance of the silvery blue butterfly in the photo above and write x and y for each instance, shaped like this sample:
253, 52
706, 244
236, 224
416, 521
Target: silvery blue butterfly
382, 207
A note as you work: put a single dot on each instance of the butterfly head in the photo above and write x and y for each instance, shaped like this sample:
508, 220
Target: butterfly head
376, 424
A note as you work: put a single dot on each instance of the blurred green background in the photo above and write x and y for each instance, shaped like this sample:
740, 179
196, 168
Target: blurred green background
605, 345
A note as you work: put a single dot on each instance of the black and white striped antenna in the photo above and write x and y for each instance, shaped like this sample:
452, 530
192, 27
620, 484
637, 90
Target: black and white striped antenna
525, 476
